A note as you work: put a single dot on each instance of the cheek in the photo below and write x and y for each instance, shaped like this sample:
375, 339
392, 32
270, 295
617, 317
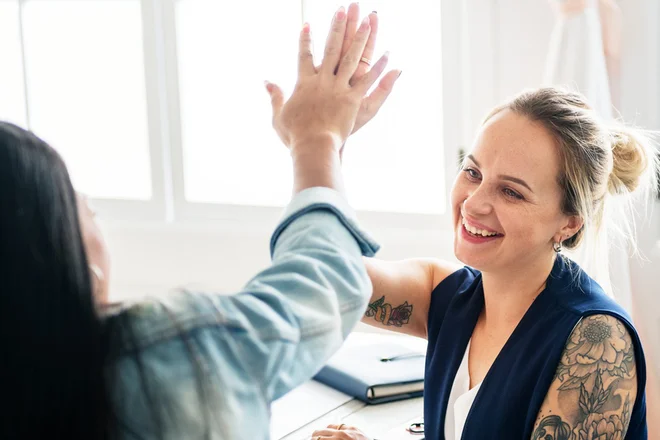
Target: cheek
525, 225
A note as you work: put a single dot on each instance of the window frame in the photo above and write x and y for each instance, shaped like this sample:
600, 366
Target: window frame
233, 215
168, 205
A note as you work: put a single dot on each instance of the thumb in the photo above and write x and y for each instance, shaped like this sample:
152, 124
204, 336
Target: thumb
276, 98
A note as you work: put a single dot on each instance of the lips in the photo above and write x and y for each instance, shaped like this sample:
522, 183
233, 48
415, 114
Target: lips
477, 229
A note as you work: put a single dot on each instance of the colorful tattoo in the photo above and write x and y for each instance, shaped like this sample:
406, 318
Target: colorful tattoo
384, 313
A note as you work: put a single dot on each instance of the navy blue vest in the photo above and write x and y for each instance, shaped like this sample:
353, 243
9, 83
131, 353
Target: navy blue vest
508, 401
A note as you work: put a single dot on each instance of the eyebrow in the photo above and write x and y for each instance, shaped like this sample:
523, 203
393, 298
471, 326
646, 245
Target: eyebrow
504, 177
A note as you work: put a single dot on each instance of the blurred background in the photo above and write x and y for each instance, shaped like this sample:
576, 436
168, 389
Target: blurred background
159, 109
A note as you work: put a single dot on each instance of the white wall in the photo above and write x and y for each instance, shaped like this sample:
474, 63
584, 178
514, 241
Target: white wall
641, 104
148, 259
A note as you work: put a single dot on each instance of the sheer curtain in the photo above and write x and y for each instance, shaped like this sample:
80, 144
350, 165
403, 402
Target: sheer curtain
577, 60
584, 55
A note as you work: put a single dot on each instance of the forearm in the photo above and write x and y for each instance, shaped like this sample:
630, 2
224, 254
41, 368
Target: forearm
317, 163
314, 292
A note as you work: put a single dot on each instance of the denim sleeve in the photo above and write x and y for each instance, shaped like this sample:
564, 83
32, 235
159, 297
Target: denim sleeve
206, 361
311, 297
299, 310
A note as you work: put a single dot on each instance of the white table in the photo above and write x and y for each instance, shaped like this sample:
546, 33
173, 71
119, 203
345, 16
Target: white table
314, 406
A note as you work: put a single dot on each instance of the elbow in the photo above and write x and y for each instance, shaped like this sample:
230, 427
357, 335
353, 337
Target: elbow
353, 308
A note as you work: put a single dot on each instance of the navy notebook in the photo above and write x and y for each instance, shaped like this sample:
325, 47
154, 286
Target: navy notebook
377, 368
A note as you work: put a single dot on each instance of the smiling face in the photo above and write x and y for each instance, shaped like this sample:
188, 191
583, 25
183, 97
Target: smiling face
506, 201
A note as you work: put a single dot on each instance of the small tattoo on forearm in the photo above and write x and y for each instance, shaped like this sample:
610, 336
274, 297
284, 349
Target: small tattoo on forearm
387, 315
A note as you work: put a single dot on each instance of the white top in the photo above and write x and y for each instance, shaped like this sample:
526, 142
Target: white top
460, 400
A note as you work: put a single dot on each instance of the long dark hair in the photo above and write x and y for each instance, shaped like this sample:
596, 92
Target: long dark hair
51, 339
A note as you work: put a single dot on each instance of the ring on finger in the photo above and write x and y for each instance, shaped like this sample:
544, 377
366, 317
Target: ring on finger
366, 61
340, 426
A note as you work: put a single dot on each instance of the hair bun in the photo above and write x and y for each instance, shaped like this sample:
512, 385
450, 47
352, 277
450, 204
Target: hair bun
631, 152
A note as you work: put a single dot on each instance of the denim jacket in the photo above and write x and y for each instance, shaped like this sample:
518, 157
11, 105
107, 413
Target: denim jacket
207, 366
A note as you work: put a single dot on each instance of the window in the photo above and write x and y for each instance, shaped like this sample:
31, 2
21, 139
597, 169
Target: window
395, 163
229, 147
160, 104
86, 91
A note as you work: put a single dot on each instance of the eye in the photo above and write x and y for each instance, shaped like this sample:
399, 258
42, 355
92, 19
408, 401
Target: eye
471, 174
511, 193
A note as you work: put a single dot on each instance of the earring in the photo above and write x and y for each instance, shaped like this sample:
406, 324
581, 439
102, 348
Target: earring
557, 246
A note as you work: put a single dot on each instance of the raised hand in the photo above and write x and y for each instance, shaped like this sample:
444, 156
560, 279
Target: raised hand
325, 104
372, 103
320, 115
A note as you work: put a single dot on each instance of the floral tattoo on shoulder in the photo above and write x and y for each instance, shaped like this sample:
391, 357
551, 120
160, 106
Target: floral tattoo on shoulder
595, 384
388, 315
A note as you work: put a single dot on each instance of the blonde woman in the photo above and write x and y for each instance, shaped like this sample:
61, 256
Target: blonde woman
523, 344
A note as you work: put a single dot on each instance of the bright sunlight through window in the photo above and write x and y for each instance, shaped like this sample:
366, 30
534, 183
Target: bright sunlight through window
86, 90
231, 154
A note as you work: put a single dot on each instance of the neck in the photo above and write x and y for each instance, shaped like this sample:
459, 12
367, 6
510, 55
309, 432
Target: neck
509, 293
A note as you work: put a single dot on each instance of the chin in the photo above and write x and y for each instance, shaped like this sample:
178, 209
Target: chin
469, 256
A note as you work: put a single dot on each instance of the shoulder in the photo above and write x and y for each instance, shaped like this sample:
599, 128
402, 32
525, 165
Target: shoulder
598, 344
452, 278
595, 385
576, 291
137, 325
450, 283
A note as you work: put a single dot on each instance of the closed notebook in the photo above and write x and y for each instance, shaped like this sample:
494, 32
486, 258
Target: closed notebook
377, 368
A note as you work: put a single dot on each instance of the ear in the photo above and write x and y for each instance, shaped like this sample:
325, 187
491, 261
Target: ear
572, 226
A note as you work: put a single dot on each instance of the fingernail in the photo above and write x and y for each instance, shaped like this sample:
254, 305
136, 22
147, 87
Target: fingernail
341, 14
306, 28
268, 86
365, 24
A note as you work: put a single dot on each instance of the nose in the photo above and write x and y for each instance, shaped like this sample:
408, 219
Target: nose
478, 201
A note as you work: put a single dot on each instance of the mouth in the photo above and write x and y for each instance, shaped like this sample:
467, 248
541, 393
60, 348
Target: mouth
477, 233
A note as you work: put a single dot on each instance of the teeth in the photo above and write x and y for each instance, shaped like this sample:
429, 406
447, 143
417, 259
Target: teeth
477, 231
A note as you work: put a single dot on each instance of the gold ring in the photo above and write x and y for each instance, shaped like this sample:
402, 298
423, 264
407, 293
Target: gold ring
366, 61
340, 426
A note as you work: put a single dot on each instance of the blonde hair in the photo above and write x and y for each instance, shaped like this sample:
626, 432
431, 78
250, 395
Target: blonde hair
599, 160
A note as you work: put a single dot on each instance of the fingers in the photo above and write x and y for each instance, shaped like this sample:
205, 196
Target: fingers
329, 434
276, 98
369, 79
377, 98
351, 60
385, 86
352, 22
332, 429
324, 433
305, 56
334, 43
370, 47
331, 426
